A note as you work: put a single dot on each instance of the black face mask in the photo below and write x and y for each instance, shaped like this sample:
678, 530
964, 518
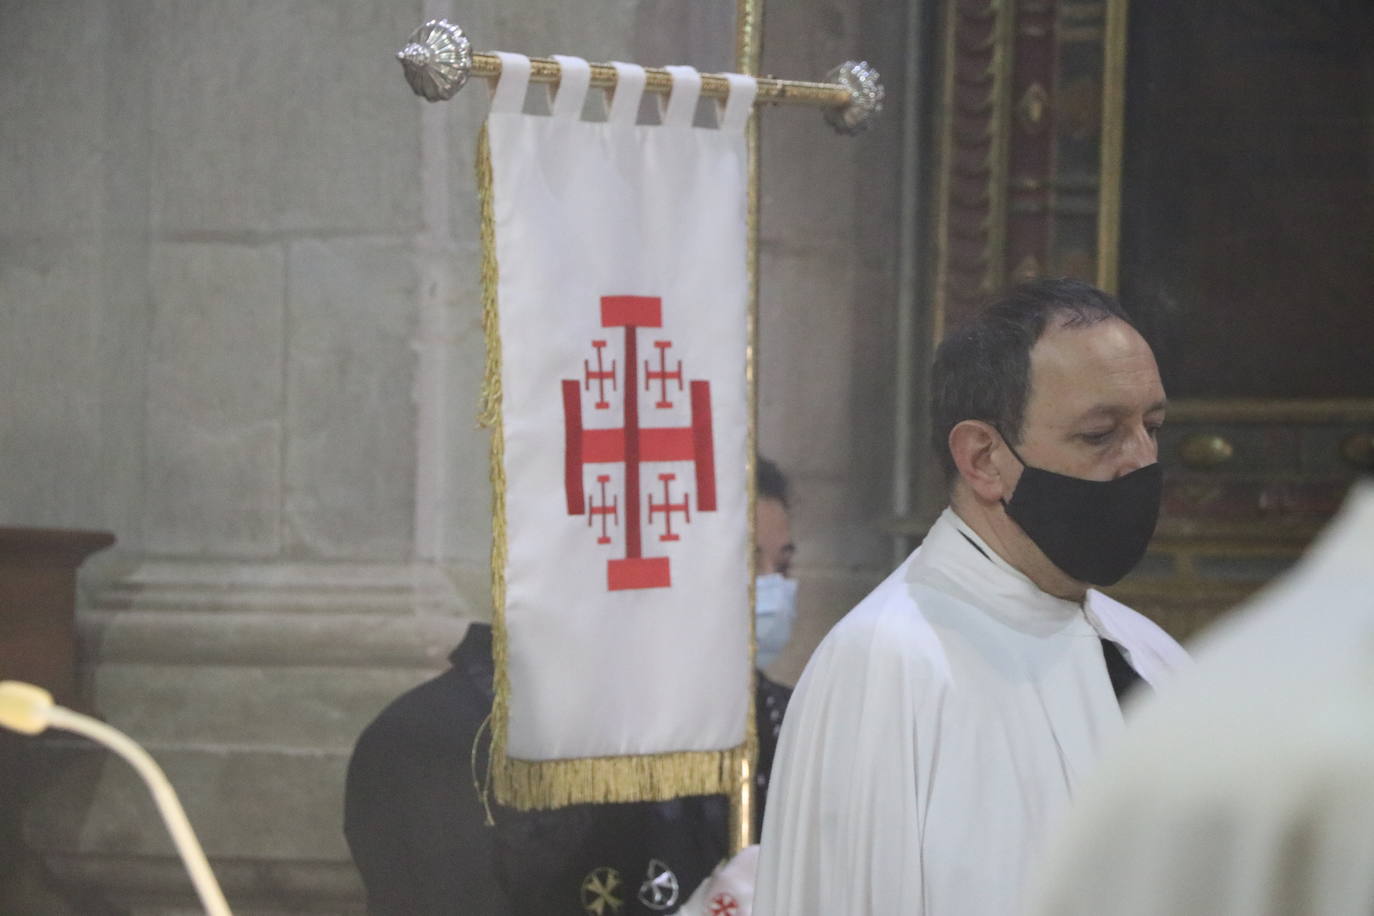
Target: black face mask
1094, 530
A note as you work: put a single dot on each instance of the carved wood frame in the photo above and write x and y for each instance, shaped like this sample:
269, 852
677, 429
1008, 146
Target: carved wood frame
1030, 147
1008, 207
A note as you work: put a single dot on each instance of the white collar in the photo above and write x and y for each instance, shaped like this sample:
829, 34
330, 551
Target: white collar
955, 560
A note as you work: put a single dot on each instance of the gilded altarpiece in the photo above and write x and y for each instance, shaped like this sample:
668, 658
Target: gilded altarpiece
1214, 164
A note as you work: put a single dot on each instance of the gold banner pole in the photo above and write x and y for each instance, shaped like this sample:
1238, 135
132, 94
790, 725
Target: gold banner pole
439, 60
748, 52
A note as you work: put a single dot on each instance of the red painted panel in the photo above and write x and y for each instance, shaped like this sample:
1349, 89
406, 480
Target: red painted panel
702, 439
665, 443
572, 448
631, 400
603, 446
631, 311
638, 572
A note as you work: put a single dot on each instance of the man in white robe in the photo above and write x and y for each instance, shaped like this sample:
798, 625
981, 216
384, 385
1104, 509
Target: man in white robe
944, 722
1246, 788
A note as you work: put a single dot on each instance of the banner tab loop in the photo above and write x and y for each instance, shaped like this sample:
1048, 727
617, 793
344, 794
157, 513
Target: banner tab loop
734, 113
682, 101
623, 100
566, 101
508, 94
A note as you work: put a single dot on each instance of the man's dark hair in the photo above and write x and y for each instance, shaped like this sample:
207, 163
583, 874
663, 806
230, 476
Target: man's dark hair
982, 370
770, 483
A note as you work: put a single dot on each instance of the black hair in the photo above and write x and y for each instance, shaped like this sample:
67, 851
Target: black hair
982, 369
770, 482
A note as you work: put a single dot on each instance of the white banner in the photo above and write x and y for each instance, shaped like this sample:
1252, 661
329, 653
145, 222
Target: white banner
622, 299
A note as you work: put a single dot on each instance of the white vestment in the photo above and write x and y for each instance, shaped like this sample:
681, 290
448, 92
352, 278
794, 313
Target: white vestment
936, 732
1247, 787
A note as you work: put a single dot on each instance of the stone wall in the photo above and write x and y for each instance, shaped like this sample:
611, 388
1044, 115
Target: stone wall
240, 328
828, 266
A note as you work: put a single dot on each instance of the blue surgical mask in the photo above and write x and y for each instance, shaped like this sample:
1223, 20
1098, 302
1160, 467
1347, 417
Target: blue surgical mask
775, 609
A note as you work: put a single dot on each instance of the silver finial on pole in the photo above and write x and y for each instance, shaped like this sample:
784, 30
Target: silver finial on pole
437, 60
866, 93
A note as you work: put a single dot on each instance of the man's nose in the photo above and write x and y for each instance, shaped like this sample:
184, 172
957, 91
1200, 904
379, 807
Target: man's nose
1138, 451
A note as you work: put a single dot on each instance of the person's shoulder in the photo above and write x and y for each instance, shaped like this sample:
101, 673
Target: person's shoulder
888, 625
421, 739
440, 711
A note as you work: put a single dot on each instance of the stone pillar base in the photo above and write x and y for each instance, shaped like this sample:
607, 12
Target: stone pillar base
249, 685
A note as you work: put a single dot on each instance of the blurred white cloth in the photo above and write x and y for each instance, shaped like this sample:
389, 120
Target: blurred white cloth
1247, 787
730, 889
936, 732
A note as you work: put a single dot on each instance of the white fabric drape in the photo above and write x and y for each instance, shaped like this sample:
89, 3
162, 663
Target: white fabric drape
623, 296
1246, 788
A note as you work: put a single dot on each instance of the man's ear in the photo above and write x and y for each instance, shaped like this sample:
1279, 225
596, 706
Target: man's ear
973, 444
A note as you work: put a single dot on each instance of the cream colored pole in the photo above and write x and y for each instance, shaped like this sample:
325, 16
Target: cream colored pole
30, 710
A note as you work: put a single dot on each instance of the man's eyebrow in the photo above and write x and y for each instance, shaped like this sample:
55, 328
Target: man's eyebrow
1119, 410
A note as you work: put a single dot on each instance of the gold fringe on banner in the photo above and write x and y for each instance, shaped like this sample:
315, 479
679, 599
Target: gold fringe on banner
527, 784
489, 417
533, 784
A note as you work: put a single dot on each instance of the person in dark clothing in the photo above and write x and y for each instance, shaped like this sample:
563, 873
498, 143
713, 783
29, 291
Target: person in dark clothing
417, 824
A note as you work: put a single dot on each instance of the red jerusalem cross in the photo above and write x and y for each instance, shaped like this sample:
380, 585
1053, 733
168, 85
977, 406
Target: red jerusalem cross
662, 375
723, 904
600, 375
603, 509
668, 507
632, 445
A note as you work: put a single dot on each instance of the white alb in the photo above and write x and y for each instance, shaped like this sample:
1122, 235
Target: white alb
937, 733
